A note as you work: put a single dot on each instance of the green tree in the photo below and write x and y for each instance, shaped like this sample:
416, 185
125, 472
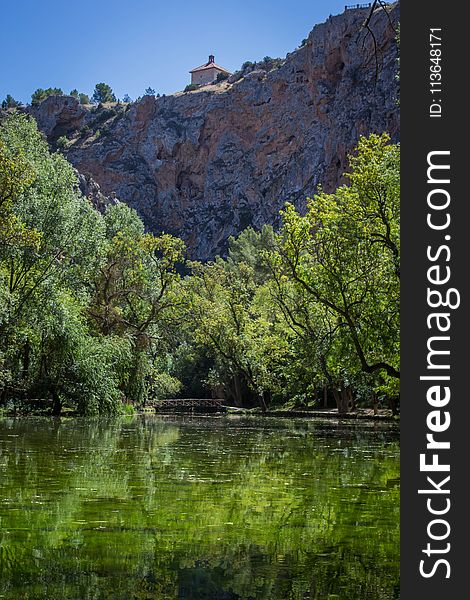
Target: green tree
40, 94
90, 302
343, 259
16, 176
234, 320
52, 248
84, 98
10, 102
103, 93
149, 92
136, 292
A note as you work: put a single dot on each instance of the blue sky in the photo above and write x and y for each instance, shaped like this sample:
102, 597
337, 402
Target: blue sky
134, 44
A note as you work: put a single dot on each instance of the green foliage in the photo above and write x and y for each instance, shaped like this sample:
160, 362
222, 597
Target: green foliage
149, 92
88, 300
313, 309
234, 319
127, 98
164, 385
267, 64
10, 102
39, 95
337, 269
397, 76
128, 409
94, 310
82, 98
103, 93
191, 87
62, 141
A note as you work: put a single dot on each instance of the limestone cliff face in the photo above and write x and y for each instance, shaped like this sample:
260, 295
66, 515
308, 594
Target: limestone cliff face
205, 164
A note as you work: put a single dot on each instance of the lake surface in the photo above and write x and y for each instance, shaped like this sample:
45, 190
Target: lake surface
225, 508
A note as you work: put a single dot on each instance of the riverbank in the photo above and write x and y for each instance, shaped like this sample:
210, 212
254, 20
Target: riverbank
365, 414
332, 413
320, 413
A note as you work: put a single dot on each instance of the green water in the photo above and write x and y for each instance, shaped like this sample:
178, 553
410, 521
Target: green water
222, 508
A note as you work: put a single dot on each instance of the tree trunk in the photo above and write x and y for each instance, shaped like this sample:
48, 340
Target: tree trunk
237, 393
262, 401
56, 404
26, 359
393, 404
344, 399
375, 403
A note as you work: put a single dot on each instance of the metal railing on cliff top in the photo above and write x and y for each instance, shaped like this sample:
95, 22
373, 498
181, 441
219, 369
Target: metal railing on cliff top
354, 6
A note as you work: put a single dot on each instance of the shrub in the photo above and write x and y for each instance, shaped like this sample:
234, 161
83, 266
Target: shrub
269, 63
237, 75
163, 385
127, 409
62, 141
221, 77
191, 87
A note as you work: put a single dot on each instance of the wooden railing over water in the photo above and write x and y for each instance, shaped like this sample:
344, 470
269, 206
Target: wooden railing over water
186, 403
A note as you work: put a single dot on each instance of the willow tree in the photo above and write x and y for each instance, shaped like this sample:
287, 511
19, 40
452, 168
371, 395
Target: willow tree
82, 293
136, 294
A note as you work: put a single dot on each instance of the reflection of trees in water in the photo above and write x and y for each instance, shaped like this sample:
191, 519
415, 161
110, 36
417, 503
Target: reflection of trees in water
206, 509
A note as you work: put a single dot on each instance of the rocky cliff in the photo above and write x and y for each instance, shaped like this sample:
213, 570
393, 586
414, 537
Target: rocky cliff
205, 164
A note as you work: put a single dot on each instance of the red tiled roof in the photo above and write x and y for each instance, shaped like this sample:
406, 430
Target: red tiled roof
209, 65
